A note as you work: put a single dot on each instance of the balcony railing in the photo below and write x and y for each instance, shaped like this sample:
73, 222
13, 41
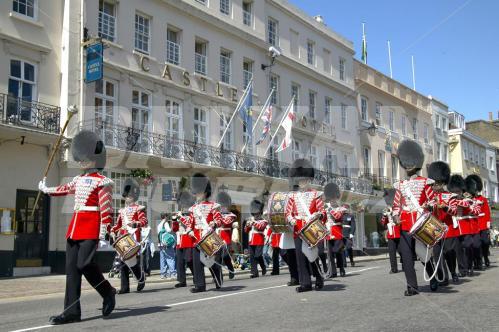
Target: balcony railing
159, 145
30, 114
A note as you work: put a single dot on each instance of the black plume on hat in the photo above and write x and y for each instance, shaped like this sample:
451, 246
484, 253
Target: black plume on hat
200, 184
478, 180
331, 191
472, 184
131, 189
456, 184
410, 155
224, 199
87, 146
389, 196
185, 200
256, 207
439, 171
301, 168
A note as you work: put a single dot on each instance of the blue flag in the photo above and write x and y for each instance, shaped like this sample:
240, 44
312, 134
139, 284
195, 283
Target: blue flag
245, 112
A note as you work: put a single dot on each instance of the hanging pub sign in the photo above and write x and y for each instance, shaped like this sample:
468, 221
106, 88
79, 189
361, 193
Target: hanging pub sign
94, 68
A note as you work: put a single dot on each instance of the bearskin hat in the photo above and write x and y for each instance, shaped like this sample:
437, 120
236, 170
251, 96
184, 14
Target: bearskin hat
201, 184
410, 155
389, 196
301, 168
439, 171
87, 146
224, 199
185, 200
131, 189
456, 184
472, 184
331, 191
256, 207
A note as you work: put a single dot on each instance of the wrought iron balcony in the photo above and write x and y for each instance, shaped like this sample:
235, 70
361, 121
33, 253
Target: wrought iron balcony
30, 114
160, 145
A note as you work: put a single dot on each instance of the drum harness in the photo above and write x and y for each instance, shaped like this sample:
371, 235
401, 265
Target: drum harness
420, 210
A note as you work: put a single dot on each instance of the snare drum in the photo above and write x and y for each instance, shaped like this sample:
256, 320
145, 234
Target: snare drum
428, 229
313, 232
277, 207
126, 246
210, 243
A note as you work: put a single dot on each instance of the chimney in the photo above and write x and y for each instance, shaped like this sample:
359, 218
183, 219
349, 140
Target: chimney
491, 117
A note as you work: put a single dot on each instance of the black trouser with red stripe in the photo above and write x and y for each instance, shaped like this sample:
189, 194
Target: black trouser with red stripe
183, 258
289, 256
393, 245
485, 245
336, 255
305, 268
256, 257
407, 248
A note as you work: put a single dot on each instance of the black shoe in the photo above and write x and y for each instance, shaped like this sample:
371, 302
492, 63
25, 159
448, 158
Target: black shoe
352, 263
487, 263
109, 303
462, 274
319, 283
455, 278
123, 291
264, 271
433, 285
334, 275
394, 271
411, 291
302, 289
273, 273
470, 273
342, 273
63, 319
254, 276
198, 289
293, 282
180, 285
231, 275
443, 283
140, 286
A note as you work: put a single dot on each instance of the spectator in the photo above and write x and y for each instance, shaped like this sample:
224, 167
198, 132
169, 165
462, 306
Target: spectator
166, 244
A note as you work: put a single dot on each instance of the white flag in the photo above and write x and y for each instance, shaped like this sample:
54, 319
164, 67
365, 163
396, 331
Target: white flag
287, 124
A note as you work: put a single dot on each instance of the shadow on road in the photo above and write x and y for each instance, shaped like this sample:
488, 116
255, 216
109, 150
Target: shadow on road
228, 289
129, 312
333, 288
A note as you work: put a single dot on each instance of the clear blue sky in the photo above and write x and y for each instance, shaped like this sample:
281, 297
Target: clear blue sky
455, 44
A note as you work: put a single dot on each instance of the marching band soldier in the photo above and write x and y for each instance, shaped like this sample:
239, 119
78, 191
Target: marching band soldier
131, 219
229, 227
255, 227
92, 214
445, 209
348, 223
185, 243
472, 190
334, 214
411, 196
304, 205
483, 221
204, 217
393, 230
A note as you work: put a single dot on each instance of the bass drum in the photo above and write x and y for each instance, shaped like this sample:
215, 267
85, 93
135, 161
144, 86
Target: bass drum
276, 211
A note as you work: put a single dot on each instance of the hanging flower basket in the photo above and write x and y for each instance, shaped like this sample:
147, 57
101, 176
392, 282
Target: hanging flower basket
144, 176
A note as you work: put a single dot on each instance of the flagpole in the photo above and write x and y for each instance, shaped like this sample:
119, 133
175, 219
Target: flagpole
235, 111
265, 105
364, 43
390, 59
280, 124
413, 73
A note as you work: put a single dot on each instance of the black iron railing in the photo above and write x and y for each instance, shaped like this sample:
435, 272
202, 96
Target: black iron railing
30, 114
140, 141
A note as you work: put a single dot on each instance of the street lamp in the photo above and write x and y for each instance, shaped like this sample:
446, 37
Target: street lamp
371, 130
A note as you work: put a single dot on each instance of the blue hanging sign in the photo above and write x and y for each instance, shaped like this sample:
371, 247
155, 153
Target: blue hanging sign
94, 68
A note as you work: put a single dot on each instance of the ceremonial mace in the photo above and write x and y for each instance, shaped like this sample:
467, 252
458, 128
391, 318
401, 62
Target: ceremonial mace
72, 110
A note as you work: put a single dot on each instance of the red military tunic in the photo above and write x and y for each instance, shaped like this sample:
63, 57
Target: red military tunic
203, 216
450, 200
334, 218
402, 204
275, 238
225, 231
131, 214
256, 231
179, 227
395, 229
302, 204
484, 217
93, 204
466, 212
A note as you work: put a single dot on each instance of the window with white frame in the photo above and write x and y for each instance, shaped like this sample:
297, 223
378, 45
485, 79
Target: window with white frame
345, 171
105, 101
273, 32
294, 42
426, 133
378, 113
381, 163
272, 154
311, 52
344, 119
491, 164
141, 119
444, 124
439, 150
24, 7
403, 125
173, 119
200, 57
363, 108
311, 104
247, 72
391, 120
204, 2
295, 91
22, 86
415, 128
342, 65
326, 60
395, 168
142, 34
225, 66
200, 126
296, 149
274, 84
227, 141
330, 162
437, 121
107, 20
465, 149
444, 152
328, 106
247, 13
173, 46
313, 155
366, 156
225, 7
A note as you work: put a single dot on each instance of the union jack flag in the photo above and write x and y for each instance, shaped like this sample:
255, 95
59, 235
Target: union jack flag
267, 123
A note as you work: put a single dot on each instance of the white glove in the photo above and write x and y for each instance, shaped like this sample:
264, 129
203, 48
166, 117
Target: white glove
102, 232
42, 186
102, 244
351, 236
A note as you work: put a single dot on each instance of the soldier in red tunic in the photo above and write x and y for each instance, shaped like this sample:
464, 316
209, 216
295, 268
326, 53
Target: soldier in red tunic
227, 230
473, 187
393, 230
483, 222
185, 243
304, 205
274, 244
131, 219
92, 215
204, 217
412, 197
445, 209
255, 227
334, 213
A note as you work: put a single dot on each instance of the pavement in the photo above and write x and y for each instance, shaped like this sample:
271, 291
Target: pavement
367, 299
